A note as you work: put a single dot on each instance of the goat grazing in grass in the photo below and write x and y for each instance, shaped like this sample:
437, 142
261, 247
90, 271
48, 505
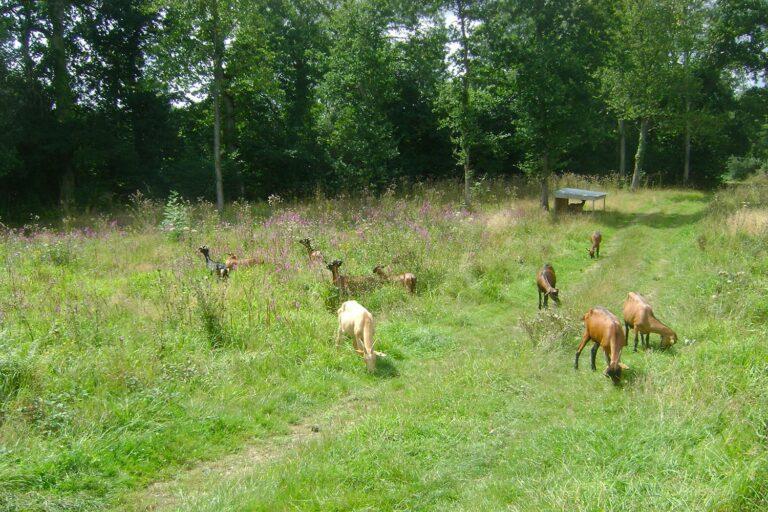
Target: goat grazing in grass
349, 283
357, 322
594, 251
638, 315
545, 282
233, 262
315, 256
604, 329
216, 267
408, 280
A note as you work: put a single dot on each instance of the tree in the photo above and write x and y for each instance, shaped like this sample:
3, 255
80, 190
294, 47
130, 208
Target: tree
544, 55
636, 82
356, 95
62, 87
459, 90
191, 59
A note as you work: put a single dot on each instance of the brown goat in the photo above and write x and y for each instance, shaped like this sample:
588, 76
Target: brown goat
408, 280
604, 329
638, 315
233, 262
545, 282
315, 256
349, 283
594, 251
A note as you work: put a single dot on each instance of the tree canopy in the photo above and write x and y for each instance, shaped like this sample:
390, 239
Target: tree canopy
227, 99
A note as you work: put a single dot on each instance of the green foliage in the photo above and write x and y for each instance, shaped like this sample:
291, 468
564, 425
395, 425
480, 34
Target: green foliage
316, 95
739, 168
59, 252
176, 221
14, 375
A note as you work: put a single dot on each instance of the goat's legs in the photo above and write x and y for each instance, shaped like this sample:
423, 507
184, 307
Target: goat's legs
584, 341
593, 355
635, 329
339, 333
359, 346
539, 299
626, 330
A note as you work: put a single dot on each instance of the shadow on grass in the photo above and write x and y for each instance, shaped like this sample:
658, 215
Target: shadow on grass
385, 369
651, 220
630, 376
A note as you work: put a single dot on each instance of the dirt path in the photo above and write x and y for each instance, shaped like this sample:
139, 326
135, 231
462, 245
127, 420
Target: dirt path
193, 482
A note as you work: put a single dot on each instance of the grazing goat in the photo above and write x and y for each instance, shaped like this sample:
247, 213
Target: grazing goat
408, 280
546, 281
215, 267
233, 262
357, 322
315, 256
602, 327
576, 207
638, 315
594, 251
348, 283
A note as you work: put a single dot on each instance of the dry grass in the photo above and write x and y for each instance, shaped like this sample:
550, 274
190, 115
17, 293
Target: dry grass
748, 221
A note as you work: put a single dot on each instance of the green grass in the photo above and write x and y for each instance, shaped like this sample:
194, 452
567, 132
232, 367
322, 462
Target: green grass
123, 364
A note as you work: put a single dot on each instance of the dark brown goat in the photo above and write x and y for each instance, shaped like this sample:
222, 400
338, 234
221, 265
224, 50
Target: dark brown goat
596, 238
349, 284
545, 282
315, 256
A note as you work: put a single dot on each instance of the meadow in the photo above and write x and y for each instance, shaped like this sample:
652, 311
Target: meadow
131, 379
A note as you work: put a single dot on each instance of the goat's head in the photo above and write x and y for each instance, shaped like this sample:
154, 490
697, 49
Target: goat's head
204, 250
378, 270
370, 361
555, 296
614, 372
667, 340
306, 242
591, 252
334, 265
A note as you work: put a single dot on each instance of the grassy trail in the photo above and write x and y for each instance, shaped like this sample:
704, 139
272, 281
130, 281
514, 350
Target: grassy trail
501, 423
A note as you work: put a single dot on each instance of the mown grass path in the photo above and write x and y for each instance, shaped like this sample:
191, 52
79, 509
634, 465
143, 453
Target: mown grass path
501, 423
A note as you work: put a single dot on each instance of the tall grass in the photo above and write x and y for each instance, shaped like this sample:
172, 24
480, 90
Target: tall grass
122, 360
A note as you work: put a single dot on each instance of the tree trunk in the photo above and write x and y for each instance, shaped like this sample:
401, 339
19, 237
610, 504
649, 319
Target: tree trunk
687, 162
218, 79
64, 102
229, 133
26, 36
622, 148
640, 155
544, 199
465, 146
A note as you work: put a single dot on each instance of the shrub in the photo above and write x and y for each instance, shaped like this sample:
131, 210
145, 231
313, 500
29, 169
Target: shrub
210, 311
59, 253
175, 216
742, 167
